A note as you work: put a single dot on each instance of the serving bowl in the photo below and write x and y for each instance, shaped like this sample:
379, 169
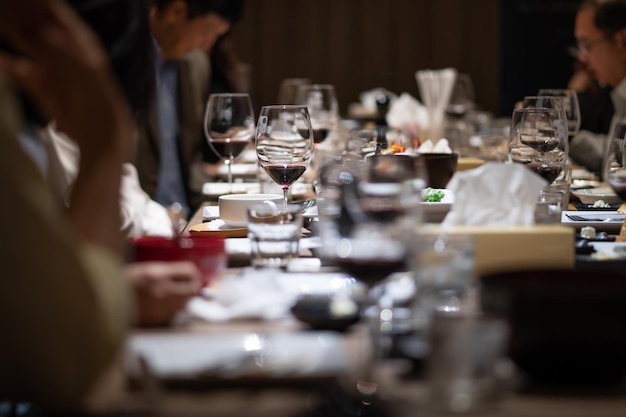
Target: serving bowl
567, 327
440, 167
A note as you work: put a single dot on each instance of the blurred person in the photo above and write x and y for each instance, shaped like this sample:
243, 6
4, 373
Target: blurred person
173, 145
65, 308
600, 30
596, 106
122, 28
73, 300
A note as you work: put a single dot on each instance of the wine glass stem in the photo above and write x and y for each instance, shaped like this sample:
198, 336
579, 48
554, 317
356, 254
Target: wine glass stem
229, 162
285, 195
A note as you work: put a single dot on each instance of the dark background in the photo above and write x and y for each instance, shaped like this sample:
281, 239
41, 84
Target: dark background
509, 47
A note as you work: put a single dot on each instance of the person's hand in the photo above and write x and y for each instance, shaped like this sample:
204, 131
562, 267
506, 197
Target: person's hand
162, 289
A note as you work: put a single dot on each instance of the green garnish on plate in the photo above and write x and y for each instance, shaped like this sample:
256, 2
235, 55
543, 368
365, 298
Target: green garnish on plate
433, 196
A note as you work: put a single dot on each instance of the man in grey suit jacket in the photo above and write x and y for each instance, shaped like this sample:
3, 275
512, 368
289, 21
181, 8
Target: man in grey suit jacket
173, 140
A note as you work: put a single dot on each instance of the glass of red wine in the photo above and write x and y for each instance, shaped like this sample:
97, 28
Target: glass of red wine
284, 143
321, 101
538, 139
229, 126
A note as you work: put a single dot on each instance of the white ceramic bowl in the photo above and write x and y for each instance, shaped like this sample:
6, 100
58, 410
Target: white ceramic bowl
233, 206
591, 195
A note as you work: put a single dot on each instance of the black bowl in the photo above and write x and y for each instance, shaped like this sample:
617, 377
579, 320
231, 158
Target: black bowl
566, 326
315, 311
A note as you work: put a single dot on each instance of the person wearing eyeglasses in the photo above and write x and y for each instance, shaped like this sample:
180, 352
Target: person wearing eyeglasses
600, 31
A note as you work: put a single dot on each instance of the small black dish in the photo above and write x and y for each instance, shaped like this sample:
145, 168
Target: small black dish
580, 206
315, 311
583, 247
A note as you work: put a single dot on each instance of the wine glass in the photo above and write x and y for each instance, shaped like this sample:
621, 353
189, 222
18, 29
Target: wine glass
289, 88
321, 101
284, 143
229, 126
376, 210
538, 140
462, 97
614, 171
570, 104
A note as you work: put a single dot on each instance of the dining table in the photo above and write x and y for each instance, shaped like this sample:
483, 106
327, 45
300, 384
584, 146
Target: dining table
401, 381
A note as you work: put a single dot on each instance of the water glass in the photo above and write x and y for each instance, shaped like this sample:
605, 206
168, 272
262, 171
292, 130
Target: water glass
443, 267
466, 370
562, 184
274, 234
548, 208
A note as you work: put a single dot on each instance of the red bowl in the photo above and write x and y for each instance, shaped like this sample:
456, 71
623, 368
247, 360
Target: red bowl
208, 253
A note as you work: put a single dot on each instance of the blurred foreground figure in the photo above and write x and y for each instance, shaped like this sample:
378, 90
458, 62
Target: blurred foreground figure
64, 302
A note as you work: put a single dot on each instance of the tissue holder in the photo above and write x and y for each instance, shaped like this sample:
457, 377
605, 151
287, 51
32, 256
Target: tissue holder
510, 248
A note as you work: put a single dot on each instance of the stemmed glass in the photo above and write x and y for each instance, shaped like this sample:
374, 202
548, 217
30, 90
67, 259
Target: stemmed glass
570, 104
321, 101
284, 143
378, 205
462, 97
229, 126
615, 163
538, 140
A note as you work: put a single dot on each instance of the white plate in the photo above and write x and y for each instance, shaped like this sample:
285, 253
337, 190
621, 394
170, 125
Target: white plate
213, 212
435, 212
591, 195
239, 170
611, 222
236, 356
216, 189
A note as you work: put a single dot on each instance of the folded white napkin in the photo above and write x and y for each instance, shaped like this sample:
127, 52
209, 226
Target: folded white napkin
408, 114
494, 194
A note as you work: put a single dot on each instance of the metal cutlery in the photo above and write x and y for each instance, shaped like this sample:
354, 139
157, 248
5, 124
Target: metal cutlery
578, 218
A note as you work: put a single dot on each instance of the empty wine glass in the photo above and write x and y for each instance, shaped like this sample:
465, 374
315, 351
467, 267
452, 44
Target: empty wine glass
614, 171
537, 139
570, 104
321, 101
284, 143
229, 126
462, 97
289, 88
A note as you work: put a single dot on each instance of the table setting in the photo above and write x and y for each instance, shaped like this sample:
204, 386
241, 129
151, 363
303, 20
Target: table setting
381, 291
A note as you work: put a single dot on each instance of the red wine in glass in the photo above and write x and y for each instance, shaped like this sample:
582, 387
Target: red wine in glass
227, 147
546, 171
285, 174
371, 270
319, 135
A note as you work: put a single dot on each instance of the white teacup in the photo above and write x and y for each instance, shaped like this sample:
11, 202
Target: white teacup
233, 207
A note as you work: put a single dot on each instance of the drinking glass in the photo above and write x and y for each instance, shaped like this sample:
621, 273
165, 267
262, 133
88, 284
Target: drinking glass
321, 101
570, 104
229, 126
614, 171
462, 97
288, 89
284, 143
538, 140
